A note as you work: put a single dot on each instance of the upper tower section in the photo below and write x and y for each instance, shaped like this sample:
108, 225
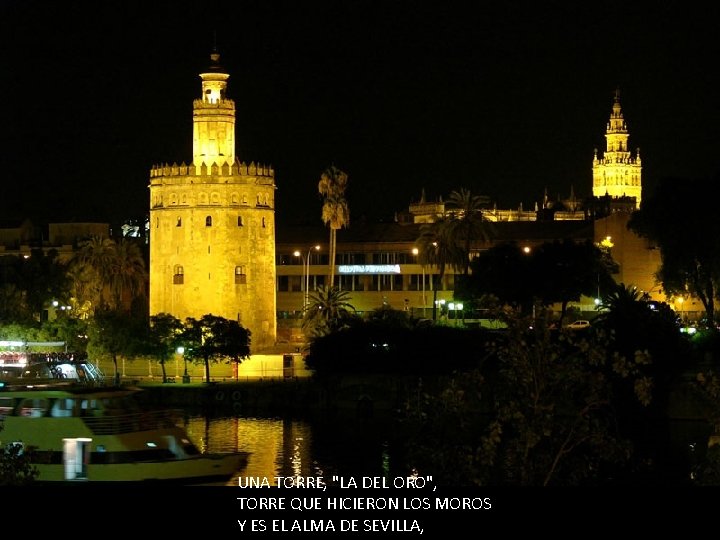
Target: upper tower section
617, 173
214, 118
617, 136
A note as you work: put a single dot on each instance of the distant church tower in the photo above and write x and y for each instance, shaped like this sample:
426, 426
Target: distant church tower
212, 225
617, 173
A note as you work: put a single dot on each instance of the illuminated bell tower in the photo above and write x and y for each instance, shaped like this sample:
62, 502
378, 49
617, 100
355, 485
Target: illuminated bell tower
212, 225
617, 173
213, 118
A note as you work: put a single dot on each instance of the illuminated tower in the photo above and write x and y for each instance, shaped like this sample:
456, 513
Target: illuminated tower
212, 225
617, 173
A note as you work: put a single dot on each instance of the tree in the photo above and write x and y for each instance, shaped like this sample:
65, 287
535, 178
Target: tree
438, 247
467, 224
13, 308
689, 242
504, 272
646, 333
69, 329
108, 274
29, 284
129, 277
92, 266
335, 210
552, 272
565, 270
212, 338
43, 279
390, 317
116, 333
16, 468
163, 338
384, 345
235, 341
328, 311
539, 410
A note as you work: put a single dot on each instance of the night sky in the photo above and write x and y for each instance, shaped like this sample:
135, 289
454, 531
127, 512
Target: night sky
496, 97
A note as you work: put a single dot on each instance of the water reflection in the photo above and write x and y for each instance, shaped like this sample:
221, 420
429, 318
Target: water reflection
361, 447
291, 447
277, 447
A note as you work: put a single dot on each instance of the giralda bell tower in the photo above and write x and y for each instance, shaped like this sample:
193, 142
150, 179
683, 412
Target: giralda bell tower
212, 224
617, 173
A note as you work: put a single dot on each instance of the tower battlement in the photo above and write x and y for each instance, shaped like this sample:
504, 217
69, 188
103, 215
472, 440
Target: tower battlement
239, 168
629, 160
203, 103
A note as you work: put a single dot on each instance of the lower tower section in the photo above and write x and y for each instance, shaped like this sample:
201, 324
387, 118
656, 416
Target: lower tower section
212, 245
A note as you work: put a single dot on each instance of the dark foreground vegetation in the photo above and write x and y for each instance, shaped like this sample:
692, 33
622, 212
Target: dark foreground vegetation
533, 404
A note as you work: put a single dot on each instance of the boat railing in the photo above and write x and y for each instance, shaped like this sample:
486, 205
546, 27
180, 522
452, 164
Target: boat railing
114, 424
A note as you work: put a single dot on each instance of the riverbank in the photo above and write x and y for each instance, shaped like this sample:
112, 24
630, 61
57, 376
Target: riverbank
285, 396
351, 402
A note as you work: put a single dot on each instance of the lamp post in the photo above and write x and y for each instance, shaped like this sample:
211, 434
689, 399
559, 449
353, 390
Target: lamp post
186, 377
416, 251
434, 283
306, 272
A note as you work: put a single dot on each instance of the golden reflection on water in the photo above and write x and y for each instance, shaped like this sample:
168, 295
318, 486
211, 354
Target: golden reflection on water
277, 447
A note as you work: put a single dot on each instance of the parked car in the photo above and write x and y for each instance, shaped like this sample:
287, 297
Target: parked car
578, 325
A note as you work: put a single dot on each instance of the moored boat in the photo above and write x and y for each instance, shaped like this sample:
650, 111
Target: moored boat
74, 433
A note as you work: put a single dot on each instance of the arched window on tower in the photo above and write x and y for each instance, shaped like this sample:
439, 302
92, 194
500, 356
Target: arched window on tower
240, 221
178, 275
179, 222
208, 221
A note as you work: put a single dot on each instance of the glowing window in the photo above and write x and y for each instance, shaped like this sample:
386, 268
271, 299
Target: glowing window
178, 275
240, 276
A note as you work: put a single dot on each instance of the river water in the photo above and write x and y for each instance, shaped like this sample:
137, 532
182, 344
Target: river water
343, 447
291, 447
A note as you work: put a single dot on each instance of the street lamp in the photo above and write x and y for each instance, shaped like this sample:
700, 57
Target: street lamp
186, 377
306, 272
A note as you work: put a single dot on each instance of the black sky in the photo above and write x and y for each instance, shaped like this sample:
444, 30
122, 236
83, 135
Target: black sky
501, 98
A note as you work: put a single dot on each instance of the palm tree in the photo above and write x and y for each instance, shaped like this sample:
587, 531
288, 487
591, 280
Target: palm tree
335, 210
129, 276
437, 247
84, 290
329, 310
108, 274
467, 224
93, 264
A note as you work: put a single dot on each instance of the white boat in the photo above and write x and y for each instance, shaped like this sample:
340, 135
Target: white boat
94, 434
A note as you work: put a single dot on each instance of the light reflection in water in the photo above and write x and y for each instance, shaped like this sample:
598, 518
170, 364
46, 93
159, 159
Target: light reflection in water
277, 447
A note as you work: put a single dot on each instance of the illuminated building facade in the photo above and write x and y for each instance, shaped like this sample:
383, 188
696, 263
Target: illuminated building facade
378, 267
617, 172
212, 225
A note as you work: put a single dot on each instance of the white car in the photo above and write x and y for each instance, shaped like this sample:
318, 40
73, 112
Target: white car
578, 325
